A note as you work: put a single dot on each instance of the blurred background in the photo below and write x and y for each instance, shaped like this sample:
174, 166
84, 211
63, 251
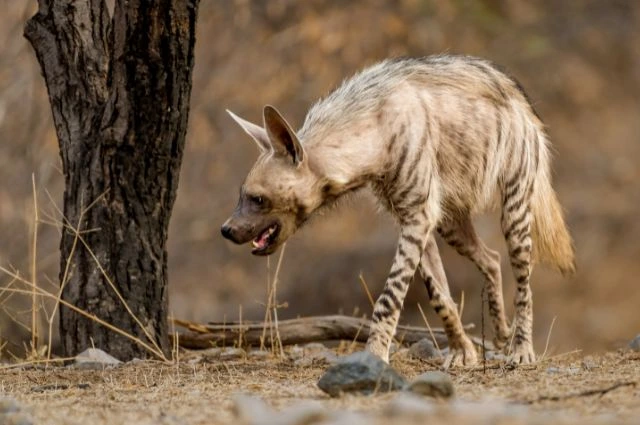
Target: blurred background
578, 61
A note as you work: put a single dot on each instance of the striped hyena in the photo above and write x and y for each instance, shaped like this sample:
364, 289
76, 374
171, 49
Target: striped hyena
438, 139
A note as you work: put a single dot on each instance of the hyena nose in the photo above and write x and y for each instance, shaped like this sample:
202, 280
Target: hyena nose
226, 231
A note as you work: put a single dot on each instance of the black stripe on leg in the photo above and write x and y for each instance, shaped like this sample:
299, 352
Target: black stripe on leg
515, 223
412, 240
395, 273
378, 315
388, 293
410, 263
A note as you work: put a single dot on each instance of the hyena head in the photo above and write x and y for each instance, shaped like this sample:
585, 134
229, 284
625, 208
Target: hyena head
280, 191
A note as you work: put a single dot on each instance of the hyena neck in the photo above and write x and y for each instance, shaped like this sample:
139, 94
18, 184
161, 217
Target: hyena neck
344, 162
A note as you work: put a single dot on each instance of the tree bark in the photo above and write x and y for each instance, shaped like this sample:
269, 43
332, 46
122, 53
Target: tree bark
301, 331
119, 89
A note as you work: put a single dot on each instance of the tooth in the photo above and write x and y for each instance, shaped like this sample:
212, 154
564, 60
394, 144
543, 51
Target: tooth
255, 244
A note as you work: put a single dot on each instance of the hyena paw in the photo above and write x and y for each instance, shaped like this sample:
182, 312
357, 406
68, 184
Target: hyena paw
522, 354
462, 354
375, 347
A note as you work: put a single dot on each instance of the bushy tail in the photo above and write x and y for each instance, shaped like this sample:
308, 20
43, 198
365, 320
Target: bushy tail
552, 243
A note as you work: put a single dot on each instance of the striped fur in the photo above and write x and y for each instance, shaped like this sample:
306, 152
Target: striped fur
438, 139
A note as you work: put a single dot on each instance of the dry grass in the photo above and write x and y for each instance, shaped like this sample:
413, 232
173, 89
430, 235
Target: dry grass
202, 393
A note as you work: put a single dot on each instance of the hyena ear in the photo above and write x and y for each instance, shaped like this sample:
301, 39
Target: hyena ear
256, 132
283, 138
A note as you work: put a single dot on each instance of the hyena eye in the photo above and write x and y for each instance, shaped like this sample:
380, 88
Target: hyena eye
258, 200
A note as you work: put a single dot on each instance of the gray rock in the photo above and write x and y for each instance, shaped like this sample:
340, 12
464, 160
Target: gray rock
169, 419
635, 343
259, 354
16, 419
571, 370
8, 405
361, 372
303, 413
423, 349
251, 410
295, 353
232, 354
327, 356
206, 356
313, 347
312, 353
410, 404
254, 411
11, 413
95, 358
432, 384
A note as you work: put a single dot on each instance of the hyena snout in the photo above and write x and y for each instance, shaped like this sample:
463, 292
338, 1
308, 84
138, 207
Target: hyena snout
264, 233
227, 231
237, 232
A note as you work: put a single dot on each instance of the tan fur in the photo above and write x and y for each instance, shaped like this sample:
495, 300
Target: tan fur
438, 140
552, 242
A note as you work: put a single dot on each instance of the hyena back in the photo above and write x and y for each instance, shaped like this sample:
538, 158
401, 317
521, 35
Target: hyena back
438, 139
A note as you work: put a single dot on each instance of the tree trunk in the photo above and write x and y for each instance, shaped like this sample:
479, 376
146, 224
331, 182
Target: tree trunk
119, 90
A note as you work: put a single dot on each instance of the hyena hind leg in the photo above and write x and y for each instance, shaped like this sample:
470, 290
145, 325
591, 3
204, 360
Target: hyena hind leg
462, 352
516, 226
462, 236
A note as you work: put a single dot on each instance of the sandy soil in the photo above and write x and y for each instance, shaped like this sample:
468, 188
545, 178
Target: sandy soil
555, 390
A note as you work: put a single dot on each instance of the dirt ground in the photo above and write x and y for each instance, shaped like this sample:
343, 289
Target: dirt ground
555, 390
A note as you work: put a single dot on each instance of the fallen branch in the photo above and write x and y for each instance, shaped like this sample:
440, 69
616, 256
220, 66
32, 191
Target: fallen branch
587, 393
298, 331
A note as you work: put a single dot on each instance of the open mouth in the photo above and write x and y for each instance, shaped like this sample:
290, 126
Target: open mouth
263, 243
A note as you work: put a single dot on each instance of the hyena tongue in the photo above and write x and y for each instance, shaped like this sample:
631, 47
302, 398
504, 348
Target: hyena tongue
263, 240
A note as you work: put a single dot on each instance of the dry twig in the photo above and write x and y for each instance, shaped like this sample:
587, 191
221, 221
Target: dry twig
586, 393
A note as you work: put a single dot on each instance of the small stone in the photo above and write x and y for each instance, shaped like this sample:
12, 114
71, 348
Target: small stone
423, 349
95, 358
572, 370
314, 347
258, 354
635, 343
16, 419
210, 354
410, 404
232, 354
254, 411
303, 413
589, 364
327, 356
251, 410
432, 384
11, 413
312, 353
361, 372
8, 405
296, 352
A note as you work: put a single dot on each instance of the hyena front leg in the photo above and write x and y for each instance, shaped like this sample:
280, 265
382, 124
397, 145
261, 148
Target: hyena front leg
386, 312
461, 350
516, 226
462, 236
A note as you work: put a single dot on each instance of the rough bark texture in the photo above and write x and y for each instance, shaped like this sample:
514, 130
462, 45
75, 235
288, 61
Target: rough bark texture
300, 331
119, 89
